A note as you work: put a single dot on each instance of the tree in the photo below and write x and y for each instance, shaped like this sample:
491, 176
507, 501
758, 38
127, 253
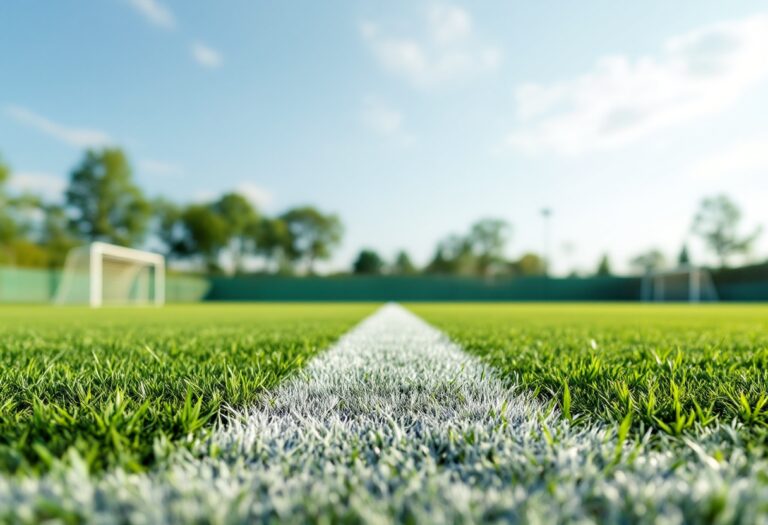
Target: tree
7, 225
168, 227
529, 264
105, 203
205, 234
403, 264
368, 262
487, 240
684, 259
273, 241
604, 267
240, 217
313, 235
56, 234
648, 262
453, 255
717, 223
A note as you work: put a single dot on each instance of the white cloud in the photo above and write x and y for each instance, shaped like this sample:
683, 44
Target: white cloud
205, 55
154, 12
256, 194
47, 185
748, 158
204, 196
159, 167
622, 99
77, 137
445, 51
448, 23
382, 119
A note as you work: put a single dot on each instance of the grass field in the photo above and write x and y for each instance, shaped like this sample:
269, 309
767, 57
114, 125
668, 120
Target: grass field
530, 413
121, 385
671, 368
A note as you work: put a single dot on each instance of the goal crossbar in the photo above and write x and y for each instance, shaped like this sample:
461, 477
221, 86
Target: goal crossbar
91, 259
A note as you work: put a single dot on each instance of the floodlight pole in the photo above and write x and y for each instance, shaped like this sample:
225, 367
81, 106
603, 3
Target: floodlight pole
546, 213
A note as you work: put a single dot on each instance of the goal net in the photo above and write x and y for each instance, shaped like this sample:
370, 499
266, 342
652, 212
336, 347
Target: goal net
104, 274
684, 284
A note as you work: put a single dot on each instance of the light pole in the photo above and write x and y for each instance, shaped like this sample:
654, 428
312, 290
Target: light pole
546, 213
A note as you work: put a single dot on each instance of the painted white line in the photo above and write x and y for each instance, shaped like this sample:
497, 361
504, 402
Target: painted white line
393, 371
395, 423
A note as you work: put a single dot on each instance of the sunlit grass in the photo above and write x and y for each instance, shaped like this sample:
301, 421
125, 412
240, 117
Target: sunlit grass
124, 386
670, 368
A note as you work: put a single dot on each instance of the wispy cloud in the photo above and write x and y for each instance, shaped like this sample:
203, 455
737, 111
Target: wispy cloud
205, 56
747, 158
154, 12
258, 196
384, 120
444, 50
49, 186
72, 136
160, 168
623, 99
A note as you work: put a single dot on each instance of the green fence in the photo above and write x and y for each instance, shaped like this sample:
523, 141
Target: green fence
31, 285
747, 283
25, 285
422, 288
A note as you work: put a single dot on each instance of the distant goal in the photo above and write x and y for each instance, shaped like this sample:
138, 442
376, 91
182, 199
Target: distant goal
684, 284
105, 274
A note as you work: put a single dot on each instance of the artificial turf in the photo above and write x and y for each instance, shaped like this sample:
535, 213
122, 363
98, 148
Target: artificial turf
672, 369
395, 423
124, 387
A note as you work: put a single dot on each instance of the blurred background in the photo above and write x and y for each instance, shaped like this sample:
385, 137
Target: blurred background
410, 150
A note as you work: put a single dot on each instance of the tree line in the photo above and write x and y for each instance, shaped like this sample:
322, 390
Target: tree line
102, 202
480, 251
718, 224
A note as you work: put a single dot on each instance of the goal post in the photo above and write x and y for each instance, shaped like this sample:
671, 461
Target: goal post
101, 274
683, 284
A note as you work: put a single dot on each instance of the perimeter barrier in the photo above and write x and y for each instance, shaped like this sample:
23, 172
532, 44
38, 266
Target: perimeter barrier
35, 285
421, 288
750, 283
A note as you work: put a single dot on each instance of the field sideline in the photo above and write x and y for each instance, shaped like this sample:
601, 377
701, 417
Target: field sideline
529, 412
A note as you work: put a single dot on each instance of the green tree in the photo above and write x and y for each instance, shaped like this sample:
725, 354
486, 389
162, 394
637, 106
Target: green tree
604, 267
56, 234
403, 265
240, 217
105, 203
273, 242
313, 235
648, 262
205, 234
453, 255
487, 240
168, 227
530, 264
717, 223
368, 262
7, 224
684, 258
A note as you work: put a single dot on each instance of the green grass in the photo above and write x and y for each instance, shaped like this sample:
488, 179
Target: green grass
663, 414
670, 368
123, 387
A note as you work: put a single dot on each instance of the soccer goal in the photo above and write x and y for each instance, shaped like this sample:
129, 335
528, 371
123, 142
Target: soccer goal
683, 284
104, 274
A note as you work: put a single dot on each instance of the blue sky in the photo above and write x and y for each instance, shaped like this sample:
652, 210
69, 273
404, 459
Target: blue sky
410, 119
